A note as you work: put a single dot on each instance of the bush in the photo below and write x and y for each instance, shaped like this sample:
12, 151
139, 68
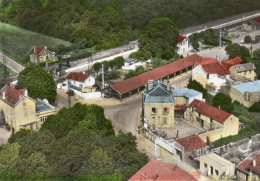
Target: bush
234, 50
248, 39
193, 84
223, 101
111, 75
139, 70
255, 107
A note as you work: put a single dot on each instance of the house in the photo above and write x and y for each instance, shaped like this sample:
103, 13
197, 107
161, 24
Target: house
245, 93
132, 64
249, 169
183, 44
214, 73
21, 111
243, 71
183, 97
41, 54
191, 147
216, 167
216, 122
81, 82
159, 106
157, 171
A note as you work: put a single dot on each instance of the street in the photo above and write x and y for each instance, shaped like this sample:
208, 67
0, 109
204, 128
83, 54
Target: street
125, 116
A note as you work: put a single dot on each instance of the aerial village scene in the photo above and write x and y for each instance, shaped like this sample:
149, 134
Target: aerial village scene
151, 90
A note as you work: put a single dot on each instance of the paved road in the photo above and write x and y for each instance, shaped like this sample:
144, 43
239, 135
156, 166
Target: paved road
11, 64
125, 116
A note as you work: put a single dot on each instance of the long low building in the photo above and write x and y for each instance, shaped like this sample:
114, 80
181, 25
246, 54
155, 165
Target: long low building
166, 72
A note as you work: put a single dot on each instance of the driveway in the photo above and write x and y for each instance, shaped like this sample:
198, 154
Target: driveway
125, 116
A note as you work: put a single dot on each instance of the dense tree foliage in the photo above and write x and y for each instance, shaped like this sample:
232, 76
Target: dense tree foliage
139, 70
72, 20
160, 38
234, 50
158, 62
255, 107
39, 83
223, 101
76, 144
207, 37
193, 84
69, 20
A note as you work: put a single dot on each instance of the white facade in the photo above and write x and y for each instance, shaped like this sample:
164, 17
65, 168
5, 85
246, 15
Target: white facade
89, 82
132, 66
184, 46
214, 79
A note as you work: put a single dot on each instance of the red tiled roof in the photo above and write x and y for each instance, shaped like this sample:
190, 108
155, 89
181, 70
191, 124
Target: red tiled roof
77, 76
13, 95
181, 38
39, 50
210, 111
157, 170
159, 73
231, 62
257, 19
180, 107
247, 164
191, 143
215, 68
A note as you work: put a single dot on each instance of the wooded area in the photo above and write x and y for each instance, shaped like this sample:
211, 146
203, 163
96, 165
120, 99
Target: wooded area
110, 23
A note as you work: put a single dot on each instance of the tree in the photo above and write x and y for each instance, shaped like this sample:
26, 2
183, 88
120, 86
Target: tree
248, 39
38, 82
254, 107
193, 84
160, 38
97, 66
223, 101
234, 50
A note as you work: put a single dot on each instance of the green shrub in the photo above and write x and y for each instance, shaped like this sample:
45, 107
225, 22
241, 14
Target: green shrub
193, 84
255, 107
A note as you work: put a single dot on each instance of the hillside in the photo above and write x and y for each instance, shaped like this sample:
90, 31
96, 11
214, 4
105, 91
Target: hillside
16, 42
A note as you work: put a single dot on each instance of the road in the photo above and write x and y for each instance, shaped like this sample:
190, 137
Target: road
11, 64
125, 116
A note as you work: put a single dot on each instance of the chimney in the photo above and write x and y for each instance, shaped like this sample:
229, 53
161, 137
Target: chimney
168, 87
3, 95
150, 85
35, 50
26, 92
254, 162
45, 47
84, 72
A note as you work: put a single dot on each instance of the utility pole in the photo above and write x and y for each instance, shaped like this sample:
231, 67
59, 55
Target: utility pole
220, 35
103, 79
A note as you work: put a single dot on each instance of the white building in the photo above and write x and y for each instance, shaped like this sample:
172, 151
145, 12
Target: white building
79, 80
183, 44
131, 64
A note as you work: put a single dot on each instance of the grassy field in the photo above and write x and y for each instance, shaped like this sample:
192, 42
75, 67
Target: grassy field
16, 42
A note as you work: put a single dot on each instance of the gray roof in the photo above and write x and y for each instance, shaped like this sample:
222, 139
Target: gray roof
159, 94
41, 107
245, 67
185, 92
248, 87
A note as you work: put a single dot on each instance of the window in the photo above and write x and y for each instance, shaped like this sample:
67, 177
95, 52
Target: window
154, 110
164, 121
24, 104
205, 165
211, 170
244, 73
207, 76
216, 172
80, 86
165, 110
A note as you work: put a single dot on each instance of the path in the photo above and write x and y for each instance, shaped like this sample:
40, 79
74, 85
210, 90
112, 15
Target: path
11, 64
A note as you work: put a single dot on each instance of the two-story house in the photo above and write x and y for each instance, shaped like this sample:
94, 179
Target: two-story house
21, 111
216, 122
41, 54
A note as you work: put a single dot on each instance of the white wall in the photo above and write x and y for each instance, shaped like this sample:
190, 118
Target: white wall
128, 66
184, 46
198, 70
90, 81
